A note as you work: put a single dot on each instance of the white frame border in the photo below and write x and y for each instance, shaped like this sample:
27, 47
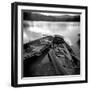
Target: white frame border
33, 80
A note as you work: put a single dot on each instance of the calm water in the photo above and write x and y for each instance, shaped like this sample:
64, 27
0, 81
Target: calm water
36, 29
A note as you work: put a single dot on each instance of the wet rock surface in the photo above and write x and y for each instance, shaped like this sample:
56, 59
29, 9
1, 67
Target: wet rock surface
49, 56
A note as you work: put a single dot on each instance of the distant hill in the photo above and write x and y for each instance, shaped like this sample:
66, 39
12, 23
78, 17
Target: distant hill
39, 17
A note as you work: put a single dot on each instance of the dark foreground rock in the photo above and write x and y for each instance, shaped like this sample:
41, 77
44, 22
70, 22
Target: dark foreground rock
49, 56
